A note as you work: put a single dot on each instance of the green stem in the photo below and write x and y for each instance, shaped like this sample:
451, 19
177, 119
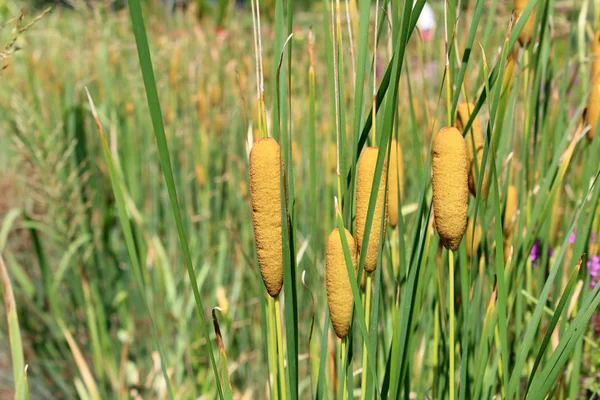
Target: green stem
280, 349
272, 346
344, 386
451, 312
363, 384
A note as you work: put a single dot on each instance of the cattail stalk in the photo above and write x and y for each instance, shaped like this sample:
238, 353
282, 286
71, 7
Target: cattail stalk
272, 346
280, 350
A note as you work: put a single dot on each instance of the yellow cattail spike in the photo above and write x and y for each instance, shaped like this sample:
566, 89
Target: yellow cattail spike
395, 182
474, 140
365, 177
450, 186
510, 210
174, 68
508, 74
332, 158
339, 290
473, 241
593, 109
527, 32
200, 175
265, 197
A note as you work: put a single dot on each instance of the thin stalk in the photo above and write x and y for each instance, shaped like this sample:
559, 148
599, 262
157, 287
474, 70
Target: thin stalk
363, 384
451, 312
280, 349
272, 346
343, 365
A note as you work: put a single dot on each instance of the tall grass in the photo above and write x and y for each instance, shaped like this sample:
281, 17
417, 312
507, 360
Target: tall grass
128, 217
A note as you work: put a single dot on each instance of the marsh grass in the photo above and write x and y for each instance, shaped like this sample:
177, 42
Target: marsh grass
129, 228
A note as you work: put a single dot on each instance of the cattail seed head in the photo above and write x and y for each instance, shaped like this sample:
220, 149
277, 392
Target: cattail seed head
510, 210
395, 182
450, 186
593, 109
474, 140
265, 197
473, 238
339, 290
364, 183
527, 32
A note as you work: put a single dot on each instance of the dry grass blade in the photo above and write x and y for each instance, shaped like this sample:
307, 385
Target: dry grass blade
227, 390
14, 334
84, 370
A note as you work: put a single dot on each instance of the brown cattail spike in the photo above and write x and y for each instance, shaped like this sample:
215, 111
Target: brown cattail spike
395, 182
450, 186
474, 140
265, 197
364, 182
339, 290
593, 108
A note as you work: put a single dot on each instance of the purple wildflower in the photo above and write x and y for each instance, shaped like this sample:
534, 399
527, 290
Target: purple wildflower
535, 252
573, 237
593, 266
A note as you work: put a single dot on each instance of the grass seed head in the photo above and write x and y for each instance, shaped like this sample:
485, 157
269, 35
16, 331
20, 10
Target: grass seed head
265, 197
339, 290
395, 182
365, 178
474, 140
450, 186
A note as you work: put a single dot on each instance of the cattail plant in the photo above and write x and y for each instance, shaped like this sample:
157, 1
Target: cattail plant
395, 183
450, 186
365, 178
593, 109
339, 290
528, 30
265, 197
474, 140
450, 205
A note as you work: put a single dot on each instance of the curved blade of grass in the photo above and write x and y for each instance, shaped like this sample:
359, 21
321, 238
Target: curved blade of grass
7, 224
129, 239
143, 50
557, 314
84, 370
543, 383
227, 391
14, 334
474, 24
